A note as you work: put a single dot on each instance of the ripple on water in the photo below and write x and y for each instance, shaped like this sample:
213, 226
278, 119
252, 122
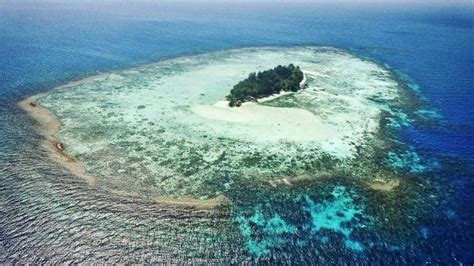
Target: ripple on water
154, 144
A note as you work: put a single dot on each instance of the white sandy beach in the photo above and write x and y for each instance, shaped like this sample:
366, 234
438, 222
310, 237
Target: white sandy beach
276, 122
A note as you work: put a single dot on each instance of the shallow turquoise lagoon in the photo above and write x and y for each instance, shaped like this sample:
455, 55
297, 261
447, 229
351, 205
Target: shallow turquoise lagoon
389, 183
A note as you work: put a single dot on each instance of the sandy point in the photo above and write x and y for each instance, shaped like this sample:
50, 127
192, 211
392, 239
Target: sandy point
49, 125
385, 186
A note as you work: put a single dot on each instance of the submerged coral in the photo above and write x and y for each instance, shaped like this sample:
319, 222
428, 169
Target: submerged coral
157, 132
311, 158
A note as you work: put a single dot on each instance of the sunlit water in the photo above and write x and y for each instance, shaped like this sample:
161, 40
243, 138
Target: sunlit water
50, 215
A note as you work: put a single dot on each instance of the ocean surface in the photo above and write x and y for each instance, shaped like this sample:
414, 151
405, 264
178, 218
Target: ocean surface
48, 215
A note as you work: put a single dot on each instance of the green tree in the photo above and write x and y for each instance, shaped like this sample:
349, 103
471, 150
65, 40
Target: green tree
262, 84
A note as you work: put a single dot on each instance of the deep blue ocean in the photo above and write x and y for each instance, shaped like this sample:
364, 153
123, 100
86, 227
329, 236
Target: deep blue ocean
43, 45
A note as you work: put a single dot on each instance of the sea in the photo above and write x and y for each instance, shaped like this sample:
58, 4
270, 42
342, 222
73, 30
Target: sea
47, 215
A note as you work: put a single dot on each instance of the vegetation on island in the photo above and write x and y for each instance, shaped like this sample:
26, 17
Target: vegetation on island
266, 83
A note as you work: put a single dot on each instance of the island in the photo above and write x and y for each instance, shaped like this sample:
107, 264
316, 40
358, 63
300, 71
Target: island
326, 159
174, 136
266, 83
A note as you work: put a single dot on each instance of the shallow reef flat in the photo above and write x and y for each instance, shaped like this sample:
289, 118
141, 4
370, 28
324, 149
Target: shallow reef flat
157, 130
295, 170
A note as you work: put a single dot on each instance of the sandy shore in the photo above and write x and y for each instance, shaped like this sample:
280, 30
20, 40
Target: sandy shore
49, 126
303, 82
283, 123
384, 186
278, 123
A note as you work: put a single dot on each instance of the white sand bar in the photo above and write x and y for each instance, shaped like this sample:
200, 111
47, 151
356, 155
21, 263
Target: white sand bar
274, 123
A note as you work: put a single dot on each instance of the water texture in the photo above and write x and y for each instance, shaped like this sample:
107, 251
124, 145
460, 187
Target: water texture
47, 214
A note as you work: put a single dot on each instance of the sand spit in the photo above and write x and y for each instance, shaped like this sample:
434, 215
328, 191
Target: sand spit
385, 186
283, 123
303, 82
49, 127
299, 179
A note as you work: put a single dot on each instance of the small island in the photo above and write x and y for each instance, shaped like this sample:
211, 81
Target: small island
266, 83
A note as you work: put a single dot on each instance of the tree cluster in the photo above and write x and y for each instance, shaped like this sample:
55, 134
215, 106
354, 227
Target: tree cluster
266, 83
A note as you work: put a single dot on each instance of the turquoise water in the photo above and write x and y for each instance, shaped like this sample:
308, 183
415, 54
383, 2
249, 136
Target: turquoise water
48, 215
337, 216
158, 131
